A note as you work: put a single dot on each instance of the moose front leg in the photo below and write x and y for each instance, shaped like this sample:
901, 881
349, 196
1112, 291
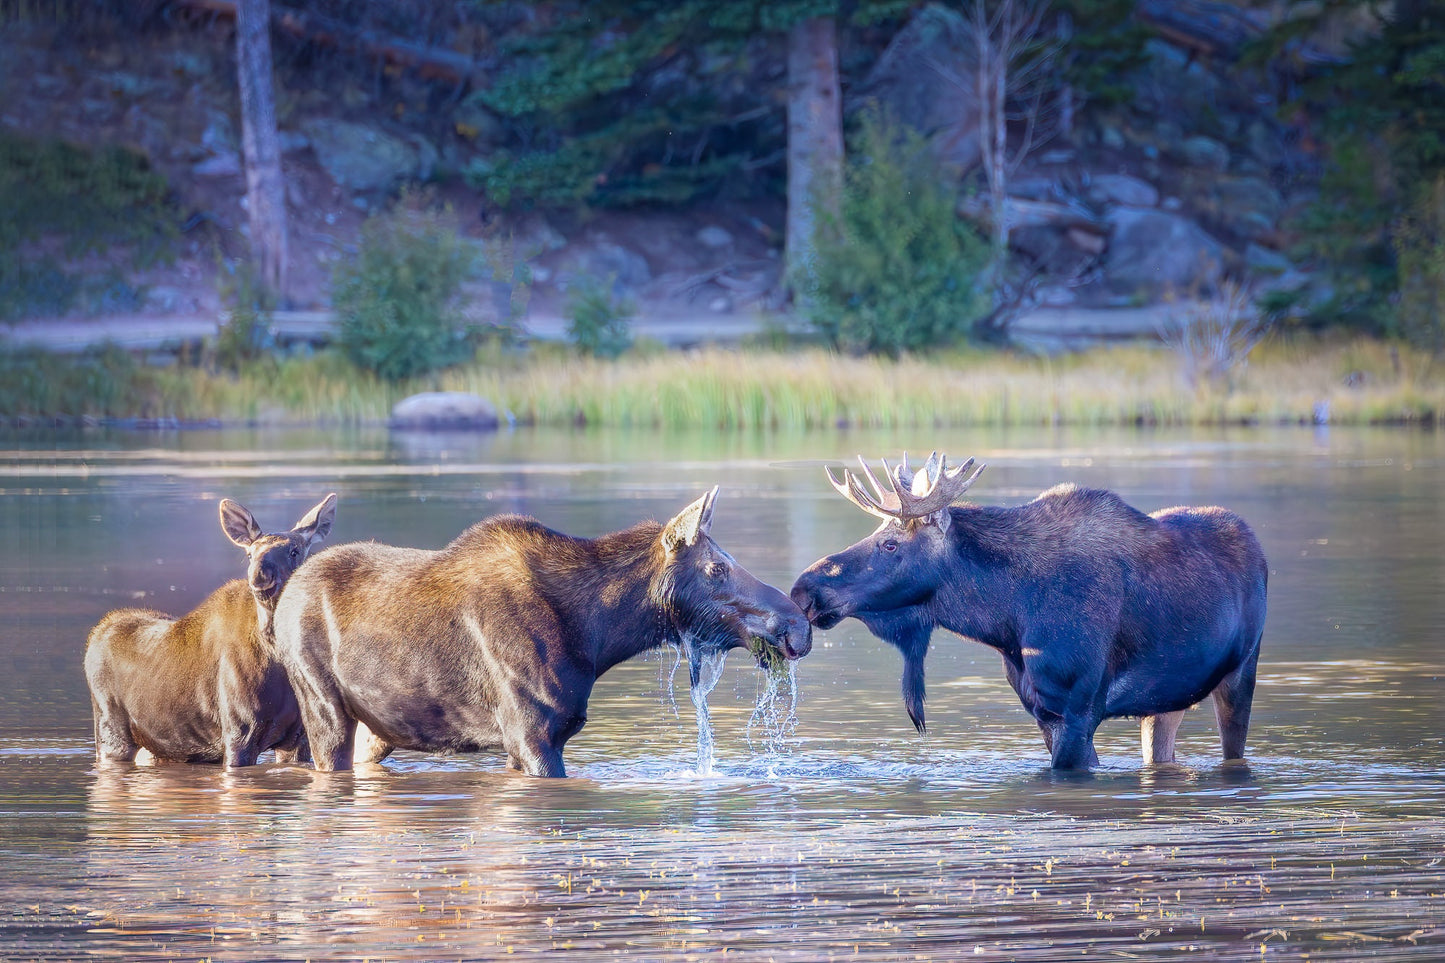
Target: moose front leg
536, 758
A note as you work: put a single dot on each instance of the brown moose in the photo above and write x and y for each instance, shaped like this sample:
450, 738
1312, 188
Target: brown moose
205, 687
496, 640
1098, 609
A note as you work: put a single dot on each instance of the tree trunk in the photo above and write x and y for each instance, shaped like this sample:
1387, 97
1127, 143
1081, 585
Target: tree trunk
265, 188
815, 139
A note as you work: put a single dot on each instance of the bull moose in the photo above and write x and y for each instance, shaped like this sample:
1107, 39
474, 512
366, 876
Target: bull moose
1098, 609
496, 640
205, 687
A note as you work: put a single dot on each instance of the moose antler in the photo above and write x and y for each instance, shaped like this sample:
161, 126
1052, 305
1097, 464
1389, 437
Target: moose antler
911, 495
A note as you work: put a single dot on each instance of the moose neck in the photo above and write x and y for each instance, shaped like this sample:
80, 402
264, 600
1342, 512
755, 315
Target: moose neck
619, 585
982, 583
265, 619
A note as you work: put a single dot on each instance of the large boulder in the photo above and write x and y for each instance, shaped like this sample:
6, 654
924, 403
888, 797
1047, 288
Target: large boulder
444, 411
924, 80
360, 157
1157, 253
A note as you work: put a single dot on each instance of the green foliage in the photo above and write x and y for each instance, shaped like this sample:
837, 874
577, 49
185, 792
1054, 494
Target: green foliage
623, 103
897, 269
398, 301
245, 334
102, 383
61, 201
1382, 120
1420, 257
1105, 46
598, 321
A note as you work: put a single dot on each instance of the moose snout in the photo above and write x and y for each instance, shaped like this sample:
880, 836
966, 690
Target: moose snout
815, 602
793, 632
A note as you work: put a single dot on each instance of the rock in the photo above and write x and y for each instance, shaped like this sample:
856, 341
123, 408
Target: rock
608, 259
1261, 260
444, 411
292, 140
714, 236
1122, 189
924, 81
1206, 152
1247, 206
359, 157
1155, 252
222, 165
1265, 144
1112, 137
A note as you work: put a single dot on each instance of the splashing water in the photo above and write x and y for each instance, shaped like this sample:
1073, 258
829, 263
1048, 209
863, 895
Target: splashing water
706, 671
776, 711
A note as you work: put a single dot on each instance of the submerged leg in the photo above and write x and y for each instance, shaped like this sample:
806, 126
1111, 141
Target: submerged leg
1156, 736
113, 740
1232, 700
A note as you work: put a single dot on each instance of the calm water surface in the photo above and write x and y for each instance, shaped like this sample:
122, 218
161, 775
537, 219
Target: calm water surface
834, 833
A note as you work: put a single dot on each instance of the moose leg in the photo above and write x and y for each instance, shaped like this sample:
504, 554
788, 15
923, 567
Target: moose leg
536, 758
330, 729
1233, 698
368, 747
113, 740
1156, 736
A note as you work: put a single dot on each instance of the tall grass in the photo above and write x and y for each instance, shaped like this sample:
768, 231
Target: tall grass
1357, 382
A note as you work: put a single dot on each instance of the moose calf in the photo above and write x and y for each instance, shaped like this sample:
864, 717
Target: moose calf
205, 687
1098, 610
495, 641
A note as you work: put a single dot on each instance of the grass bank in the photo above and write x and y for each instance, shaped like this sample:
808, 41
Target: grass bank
1355, 382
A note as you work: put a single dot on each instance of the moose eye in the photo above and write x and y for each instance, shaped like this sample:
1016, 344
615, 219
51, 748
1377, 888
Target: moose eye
716, 570
294, 551
889, 545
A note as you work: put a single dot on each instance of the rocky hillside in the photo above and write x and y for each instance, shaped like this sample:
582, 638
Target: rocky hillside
1150, 202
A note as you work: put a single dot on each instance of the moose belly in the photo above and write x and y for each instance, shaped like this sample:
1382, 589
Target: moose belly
429, 725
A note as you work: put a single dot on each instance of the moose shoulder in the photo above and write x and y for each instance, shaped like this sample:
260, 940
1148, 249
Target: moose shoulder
1098, 609
496, 640
205, 687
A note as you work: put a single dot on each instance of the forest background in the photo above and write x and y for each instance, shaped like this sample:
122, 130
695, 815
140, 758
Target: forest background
354, 200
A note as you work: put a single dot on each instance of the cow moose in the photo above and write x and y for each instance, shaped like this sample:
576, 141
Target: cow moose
205, 687
1099, 610
496, 640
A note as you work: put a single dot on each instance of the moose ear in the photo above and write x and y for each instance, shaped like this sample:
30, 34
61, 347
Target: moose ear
317, 522
238, 524
691, 522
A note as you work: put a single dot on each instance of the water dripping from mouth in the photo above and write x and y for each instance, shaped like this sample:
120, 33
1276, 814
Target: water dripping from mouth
776, 711
706, 671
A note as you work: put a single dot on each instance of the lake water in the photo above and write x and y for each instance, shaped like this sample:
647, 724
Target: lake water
842, 834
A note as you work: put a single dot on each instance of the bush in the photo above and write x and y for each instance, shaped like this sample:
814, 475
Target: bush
599, 322
245, 334
87, 202
897, 269
398, 302
1420, 261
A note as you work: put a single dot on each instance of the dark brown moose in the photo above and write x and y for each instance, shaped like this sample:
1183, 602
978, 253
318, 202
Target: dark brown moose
205, 687
495, 641
1098, 610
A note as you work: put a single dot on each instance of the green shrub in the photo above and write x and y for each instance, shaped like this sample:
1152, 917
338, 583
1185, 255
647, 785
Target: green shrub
86, 201
398, 301
897, 269
599, 322
245, 334
1420, 261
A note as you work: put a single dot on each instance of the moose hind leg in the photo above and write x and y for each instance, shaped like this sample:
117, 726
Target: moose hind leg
1156, 736
113, 739
1233, 698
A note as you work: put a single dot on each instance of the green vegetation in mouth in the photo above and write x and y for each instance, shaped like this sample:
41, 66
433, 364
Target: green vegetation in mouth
770, 659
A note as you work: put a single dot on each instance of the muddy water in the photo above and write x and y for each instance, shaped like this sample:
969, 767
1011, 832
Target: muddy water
827, 828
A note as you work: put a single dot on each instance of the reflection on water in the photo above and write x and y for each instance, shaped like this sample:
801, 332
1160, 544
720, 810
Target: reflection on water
826, 827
